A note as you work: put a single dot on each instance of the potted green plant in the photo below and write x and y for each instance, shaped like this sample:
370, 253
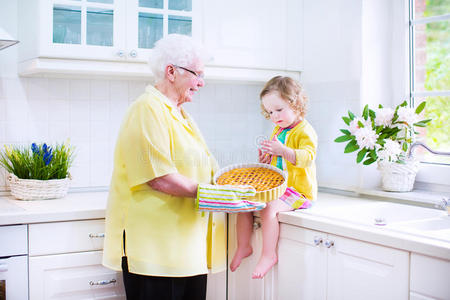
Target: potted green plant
38, 171
384, 135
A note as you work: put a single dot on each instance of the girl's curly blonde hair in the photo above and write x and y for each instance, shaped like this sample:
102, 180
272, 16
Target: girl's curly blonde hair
290, 90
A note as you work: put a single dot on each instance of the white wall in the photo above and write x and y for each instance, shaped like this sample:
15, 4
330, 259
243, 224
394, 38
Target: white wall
384, 77
354, 55
88, 112
332, 78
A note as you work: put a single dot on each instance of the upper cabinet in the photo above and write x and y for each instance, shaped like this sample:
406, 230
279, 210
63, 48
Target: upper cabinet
259, 34
249, 40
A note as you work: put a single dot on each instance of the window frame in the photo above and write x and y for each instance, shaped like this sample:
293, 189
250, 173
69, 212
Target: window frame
432, 176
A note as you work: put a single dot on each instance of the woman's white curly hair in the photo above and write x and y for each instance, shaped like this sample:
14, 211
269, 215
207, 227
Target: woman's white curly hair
176, 49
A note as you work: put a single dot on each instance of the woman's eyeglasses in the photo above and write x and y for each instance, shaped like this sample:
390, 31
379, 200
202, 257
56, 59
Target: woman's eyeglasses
199, 76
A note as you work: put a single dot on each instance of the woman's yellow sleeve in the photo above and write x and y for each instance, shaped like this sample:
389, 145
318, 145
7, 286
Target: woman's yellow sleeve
146, 139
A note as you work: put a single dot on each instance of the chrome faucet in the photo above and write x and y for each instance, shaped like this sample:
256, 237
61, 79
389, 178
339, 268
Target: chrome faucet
414, 145
444, 204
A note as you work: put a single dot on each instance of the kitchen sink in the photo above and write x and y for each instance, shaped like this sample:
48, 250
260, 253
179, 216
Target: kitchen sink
379, 213
438, 228
431, 224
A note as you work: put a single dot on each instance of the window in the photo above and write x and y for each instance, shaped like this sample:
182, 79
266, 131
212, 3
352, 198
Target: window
429, 33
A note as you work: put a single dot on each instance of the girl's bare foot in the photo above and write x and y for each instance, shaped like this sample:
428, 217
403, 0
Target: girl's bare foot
239, 255
264, 265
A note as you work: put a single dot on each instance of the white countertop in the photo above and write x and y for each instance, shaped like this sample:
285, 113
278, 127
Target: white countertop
91, 205
319, 218
75, 206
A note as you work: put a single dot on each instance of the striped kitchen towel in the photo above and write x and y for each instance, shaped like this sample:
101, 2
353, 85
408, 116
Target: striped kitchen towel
295, 199
226, 198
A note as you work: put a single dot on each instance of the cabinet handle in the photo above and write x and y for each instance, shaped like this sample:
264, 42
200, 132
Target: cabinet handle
133, 53
102, 282
256, 225
96, 235
120, 53
317, 240
328, 243
3, 267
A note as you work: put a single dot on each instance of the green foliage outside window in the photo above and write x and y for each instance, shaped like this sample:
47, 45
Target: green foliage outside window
438, 75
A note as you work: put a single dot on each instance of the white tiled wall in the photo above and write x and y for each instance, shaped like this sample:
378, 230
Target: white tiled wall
329, 101
88, 113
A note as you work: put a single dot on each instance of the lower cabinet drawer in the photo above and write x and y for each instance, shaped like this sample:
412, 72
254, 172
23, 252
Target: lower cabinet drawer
73, 276
66, 237
13, 240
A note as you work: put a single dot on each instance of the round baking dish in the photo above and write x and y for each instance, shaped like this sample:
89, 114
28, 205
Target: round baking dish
261, 196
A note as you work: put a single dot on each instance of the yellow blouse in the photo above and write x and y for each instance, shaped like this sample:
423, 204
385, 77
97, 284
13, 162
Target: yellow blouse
302, 176
165, 235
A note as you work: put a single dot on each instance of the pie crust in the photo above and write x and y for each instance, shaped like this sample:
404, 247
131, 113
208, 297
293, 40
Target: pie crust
270, 182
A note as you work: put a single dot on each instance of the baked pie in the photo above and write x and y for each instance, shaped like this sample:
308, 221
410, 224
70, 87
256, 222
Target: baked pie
262, 179
269, 181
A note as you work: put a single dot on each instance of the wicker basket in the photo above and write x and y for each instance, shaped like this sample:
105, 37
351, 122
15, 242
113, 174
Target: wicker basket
397, 177
32, 189
262, 196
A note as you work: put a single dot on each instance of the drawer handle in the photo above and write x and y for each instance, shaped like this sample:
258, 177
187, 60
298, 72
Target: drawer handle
328, 243
102, 282
317, 240
3, 267
96, 235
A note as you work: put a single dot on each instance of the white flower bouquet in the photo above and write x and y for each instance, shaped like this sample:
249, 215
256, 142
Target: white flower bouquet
382, 134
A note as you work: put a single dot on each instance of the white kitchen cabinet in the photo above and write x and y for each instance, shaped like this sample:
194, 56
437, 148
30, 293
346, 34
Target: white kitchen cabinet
249, 40
359, 270
255, 33
98, 37
61, 29
13, 262
429, 278
66, 237
65, 262
302, 265
241, 286
73, 276
317, 265
107, 30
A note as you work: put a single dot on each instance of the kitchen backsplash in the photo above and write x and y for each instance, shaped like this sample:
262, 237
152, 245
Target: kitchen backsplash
88, 112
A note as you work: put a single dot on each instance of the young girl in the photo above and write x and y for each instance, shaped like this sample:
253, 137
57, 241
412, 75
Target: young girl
292, 148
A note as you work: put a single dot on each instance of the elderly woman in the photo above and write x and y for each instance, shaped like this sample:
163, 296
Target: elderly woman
154, 231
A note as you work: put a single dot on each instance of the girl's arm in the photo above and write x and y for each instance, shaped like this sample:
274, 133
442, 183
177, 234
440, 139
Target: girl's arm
288, 154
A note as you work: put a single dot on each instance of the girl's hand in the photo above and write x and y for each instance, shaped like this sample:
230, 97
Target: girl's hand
264, 158
273, 147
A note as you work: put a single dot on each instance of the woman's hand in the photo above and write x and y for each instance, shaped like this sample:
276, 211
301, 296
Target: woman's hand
264, 158
273, 147
227, 198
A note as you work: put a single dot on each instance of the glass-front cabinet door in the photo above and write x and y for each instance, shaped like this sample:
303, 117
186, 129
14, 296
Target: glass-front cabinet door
150, 20
113, 29
85, 29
